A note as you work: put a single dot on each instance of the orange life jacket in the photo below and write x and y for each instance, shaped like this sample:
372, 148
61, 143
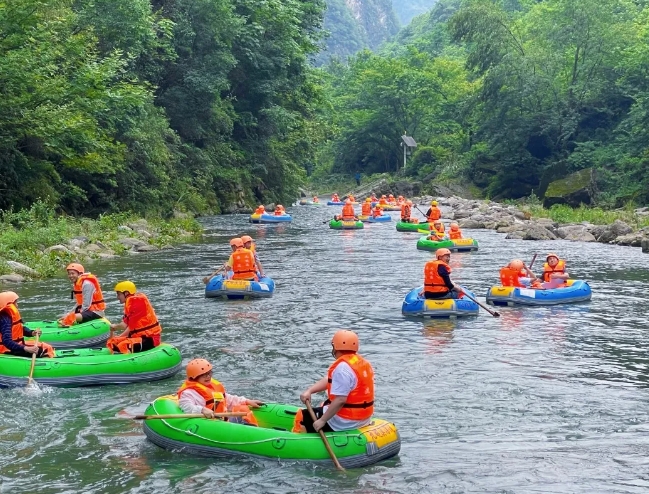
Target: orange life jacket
433, 282
360, 402
435, 214
17, 334
243, 265
377, 212
97, 297
455, 234
279, 212
260, 210
548, 270
383, 201
214, 394
348, 212
390, 198
351, 198
140, 318
405, 211
366, 209
433, 228
510, 277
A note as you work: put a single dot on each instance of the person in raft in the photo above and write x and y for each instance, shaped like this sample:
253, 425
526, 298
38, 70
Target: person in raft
455, 233
349, 384
377, 211
242, 262
316, 200
437, 278
86, 292
348, 213
335, 198
437, 231
554, 271
200, 393
366, 208
406, 211
260, 209
517, 274
433, 213
279, 210
248, 244
140, 325
13, 332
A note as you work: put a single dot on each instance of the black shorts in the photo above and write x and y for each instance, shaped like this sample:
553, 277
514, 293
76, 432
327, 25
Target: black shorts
88, 315
438, 296
307, 421
147, 344
22, 353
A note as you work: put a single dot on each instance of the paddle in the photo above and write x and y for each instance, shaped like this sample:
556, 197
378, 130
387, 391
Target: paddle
207, 279
31, 369
324, 439
532, 263
188, 416
492, 312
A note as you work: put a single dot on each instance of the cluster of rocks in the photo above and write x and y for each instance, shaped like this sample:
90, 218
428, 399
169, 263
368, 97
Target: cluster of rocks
517, 224
133, 238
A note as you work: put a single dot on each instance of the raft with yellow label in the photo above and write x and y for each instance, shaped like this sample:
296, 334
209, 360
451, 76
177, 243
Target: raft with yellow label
574, 291
220, 287
416, 305
458, 245
273, 438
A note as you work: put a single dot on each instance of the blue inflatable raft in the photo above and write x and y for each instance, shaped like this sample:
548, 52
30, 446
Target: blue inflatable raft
270, 218
416, 305
335, 203
576, 291
379, 219
219, 287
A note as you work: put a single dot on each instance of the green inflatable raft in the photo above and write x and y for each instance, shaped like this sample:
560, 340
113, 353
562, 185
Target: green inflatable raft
458, 245
346, 225
91, 367
411, 227
85, 335
272, 439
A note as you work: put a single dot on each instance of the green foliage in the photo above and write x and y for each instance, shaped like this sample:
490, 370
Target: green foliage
597, 216
407, 9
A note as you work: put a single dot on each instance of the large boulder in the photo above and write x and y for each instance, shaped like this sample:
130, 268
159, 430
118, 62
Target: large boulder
573, 190
133, 243
645, 245
471, 224
12, 278
533, 232
611, 232
634, 239
576, 233
21, 268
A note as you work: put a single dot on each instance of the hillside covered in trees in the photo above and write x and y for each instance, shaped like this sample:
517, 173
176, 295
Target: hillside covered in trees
507, 94
407, 9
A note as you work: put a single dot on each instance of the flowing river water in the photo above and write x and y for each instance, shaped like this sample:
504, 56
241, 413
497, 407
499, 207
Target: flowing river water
539, 400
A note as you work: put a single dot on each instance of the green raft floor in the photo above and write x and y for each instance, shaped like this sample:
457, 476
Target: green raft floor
85, 335
411, 227
92, 367
272, 439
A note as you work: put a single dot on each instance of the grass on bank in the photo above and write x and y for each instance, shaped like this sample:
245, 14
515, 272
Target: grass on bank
595, 215
25, 234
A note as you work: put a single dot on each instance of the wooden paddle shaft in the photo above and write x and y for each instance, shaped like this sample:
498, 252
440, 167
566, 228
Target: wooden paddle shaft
188, 416
493, 313
324, 438
31, 368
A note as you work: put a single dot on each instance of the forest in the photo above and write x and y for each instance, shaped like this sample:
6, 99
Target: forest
205, 106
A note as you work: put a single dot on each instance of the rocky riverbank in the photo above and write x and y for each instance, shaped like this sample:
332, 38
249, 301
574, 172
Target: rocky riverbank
33, 245
517, 223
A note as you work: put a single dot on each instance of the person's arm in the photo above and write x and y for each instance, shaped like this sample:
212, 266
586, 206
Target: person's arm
232, 401
343, 382
5, 331
87, 291
191, 401
443, 272
321, 385
333, 408
260, 268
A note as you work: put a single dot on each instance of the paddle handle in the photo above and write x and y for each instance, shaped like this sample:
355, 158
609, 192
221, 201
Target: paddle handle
492, 312
31, 368
324, 439
188, 416
532, 263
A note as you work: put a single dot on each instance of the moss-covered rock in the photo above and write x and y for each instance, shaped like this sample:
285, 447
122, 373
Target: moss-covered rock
573, 190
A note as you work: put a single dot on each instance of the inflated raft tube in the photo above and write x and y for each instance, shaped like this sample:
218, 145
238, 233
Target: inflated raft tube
270, 218
92, 367
417, 306
346, 225
576, 291
390, 207
84, 335
459, 245
364, 218
411, 227
379, 219
219, 287
273, 438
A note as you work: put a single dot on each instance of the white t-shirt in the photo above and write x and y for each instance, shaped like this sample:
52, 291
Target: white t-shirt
343, 382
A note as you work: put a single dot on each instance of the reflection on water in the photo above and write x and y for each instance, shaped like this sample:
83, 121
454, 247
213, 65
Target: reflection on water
543, 399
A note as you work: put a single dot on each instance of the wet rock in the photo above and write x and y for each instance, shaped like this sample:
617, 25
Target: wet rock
143, 233
135, 225
573, 190
644, 243
21, 268
611, 232
106, 255
463, 213
129, 242
58, 248
578, 233
515, 235
146, 248
93, 248
124, 228
633, 239
517, 227
471, 224
535, 232
12, 278
78, 241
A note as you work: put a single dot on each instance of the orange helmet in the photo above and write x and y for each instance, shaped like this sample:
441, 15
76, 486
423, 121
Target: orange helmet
383, 196
345, 340
261, 206
197, 367
279, 206
442, 252
517, 264
409, 202
237, 242
551, 254
246, 238
437, 222
233, 241
455, 227
75, 266
368, 200
7, 298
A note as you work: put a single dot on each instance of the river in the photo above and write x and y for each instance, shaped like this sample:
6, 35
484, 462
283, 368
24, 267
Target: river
539, 400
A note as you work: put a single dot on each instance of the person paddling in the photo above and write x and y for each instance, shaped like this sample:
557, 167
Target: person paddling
517, 274
437, 278
455, 233
86, 292
349, 384
554, 271
248, 244
200, 393
433, 213
13, 332
140, 325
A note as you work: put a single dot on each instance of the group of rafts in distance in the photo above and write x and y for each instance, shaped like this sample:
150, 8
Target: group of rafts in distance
222, 424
